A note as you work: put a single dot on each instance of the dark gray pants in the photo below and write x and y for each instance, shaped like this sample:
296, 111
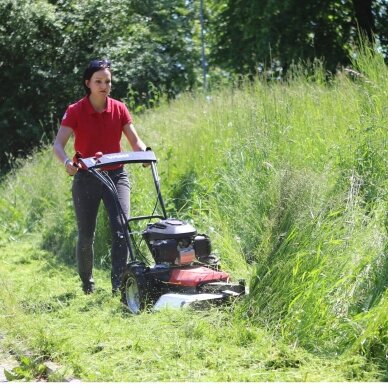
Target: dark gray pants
88, 192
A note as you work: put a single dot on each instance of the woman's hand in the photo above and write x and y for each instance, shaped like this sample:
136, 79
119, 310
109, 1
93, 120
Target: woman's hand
71, 169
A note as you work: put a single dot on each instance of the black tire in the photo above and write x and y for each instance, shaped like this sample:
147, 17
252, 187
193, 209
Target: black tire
137, 291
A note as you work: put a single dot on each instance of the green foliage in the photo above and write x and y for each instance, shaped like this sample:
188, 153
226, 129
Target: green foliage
29, 41
46, 46
156, 57
155, 49
28, 370
246, 35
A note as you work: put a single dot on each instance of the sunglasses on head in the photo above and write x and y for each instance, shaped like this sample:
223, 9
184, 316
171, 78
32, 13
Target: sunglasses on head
104, 64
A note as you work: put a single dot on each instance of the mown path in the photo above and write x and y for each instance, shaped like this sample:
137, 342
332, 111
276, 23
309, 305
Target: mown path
93, 338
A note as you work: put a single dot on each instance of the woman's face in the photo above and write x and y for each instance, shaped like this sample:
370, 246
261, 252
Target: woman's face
100, 83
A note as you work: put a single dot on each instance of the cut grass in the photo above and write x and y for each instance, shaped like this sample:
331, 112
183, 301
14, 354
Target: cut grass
95, 339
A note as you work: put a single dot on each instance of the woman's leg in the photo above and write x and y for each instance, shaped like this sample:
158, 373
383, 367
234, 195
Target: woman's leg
87, 192
119, 245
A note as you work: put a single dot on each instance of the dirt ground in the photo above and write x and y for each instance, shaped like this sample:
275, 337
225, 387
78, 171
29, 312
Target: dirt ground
6, 362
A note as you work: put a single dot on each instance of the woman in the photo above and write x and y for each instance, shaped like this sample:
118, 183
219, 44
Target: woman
97, 123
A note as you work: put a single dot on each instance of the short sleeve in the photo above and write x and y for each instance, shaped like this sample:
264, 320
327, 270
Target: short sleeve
126, 117
69, 119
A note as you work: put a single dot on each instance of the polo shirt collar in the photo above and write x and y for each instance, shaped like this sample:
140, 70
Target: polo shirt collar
89, 107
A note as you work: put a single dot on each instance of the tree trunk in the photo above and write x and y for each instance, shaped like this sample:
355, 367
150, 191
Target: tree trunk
364, 17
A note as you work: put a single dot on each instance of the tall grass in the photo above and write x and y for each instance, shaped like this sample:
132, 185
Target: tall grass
288, 179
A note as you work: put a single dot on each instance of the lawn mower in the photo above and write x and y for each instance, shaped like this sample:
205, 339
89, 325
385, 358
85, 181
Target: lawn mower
185, 272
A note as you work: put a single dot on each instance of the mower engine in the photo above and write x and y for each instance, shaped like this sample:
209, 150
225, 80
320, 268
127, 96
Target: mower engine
176, 242
185, 271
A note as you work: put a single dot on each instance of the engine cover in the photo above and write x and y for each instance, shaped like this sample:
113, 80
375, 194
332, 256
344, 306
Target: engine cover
176, 242
169, 229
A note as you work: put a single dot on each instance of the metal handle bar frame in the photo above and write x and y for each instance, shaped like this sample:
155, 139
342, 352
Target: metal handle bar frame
94, 165
138, 157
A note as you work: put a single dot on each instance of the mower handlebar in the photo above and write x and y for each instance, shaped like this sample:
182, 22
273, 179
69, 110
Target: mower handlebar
100, 160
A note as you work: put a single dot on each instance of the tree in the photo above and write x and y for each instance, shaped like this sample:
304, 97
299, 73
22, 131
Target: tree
29, 39
380, 13
156, 54
248, 32
45, 46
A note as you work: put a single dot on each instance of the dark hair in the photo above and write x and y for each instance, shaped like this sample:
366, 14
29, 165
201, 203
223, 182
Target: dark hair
94, 66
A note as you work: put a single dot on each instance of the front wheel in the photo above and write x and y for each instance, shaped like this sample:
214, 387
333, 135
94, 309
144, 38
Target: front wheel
136, 291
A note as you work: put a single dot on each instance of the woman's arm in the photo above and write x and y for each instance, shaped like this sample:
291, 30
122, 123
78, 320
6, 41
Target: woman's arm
60, 142
133, 138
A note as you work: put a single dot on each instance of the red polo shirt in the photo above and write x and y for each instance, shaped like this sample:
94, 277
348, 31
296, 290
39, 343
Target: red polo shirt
94, 131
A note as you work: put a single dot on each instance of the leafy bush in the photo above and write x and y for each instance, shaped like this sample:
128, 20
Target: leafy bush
45, 47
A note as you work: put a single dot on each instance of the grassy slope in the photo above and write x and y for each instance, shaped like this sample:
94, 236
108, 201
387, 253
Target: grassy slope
94, 338
288, 180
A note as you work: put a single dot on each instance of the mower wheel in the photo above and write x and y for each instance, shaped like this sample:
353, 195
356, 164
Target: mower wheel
134, 288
